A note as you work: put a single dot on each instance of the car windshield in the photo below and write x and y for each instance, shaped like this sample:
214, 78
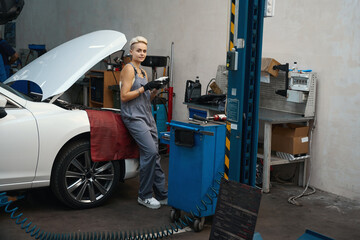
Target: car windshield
10, 89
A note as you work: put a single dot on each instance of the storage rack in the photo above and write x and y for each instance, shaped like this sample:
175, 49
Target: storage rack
106, 79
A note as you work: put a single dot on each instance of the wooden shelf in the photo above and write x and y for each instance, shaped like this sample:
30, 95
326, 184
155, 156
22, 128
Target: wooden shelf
95, 102
109, 78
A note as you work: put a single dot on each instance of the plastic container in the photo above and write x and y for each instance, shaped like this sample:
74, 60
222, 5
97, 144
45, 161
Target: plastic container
192, 90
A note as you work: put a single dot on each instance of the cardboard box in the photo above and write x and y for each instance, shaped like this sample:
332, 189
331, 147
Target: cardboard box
267, 65
290, 138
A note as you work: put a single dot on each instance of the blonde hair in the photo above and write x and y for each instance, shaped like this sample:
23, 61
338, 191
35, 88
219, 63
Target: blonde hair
137, 40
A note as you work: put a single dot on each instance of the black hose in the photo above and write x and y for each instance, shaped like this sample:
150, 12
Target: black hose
207, 87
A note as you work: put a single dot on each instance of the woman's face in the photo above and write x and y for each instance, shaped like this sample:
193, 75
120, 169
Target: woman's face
139, 52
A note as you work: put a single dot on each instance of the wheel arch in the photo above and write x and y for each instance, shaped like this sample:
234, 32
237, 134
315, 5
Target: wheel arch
79, 137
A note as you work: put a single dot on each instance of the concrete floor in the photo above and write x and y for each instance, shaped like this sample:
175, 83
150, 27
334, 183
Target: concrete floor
325, 213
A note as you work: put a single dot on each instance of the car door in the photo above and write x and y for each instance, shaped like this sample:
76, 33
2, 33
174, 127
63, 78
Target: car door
19, 146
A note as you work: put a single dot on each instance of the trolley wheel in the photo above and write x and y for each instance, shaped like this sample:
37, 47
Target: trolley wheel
199, 224
175, 214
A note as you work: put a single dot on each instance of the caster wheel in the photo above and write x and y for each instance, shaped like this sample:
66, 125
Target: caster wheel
175, 214
199, 224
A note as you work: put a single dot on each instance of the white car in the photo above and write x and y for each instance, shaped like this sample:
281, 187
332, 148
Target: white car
47, 142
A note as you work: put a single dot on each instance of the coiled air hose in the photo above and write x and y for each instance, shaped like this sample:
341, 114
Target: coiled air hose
156, 233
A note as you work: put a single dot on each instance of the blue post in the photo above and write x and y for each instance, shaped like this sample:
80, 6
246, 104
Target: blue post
244, 88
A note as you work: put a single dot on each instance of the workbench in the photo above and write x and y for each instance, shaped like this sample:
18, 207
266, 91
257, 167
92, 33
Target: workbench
270, 117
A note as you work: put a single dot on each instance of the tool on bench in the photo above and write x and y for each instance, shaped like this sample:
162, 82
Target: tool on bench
197, 120
206, 120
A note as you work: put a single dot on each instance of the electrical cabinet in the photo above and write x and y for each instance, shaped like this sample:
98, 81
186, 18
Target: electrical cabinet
99, 93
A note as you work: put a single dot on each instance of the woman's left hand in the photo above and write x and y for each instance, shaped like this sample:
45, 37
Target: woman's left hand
153, 93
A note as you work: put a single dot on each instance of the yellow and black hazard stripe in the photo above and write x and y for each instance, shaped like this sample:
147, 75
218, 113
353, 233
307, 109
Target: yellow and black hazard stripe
232, 25
228, 125
227, 150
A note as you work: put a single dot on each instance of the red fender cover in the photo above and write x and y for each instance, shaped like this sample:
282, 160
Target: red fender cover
109, 138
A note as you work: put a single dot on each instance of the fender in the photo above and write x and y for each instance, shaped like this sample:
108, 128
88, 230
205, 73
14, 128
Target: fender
56, 126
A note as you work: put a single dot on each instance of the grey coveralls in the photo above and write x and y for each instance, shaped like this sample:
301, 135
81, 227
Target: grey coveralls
137, 117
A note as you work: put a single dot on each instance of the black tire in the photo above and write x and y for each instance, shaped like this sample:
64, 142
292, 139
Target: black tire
79, 182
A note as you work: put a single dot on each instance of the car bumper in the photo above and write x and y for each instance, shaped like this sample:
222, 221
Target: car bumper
132, 167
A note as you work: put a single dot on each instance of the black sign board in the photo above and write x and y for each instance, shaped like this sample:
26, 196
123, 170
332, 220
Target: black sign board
236, 211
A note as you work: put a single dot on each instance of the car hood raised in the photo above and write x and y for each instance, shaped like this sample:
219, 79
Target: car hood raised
58, 69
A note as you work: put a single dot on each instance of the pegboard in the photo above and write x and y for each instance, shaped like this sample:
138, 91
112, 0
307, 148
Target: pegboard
270, 100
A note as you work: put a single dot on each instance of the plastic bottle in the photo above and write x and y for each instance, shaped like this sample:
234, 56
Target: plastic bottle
193, 90
294, 68
197, 79
196, 89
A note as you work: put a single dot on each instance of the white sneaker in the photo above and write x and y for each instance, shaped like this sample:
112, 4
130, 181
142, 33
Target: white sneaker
150, 203
163, 202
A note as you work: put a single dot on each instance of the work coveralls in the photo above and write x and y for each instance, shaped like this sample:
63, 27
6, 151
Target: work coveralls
137, 117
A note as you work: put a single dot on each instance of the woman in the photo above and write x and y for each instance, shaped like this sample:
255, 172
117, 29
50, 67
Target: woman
136, 95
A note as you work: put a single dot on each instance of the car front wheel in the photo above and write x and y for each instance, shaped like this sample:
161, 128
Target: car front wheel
81, 183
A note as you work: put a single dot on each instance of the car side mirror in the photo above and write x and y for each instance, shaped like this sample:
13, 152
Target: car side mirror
3, 102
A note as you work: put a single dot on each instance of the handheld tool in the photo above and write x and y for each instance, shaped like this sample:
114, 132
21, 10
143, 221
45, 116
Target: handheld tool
162, 80
197, 121
206, 120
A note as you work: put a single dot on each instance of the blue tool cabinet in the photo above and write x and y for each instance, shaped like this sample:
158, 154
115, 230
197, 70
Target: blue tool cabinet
160, 116
195, 159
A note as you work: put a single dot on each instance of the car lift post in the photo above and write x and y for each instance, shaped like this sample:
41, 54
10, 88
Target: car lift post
244, 65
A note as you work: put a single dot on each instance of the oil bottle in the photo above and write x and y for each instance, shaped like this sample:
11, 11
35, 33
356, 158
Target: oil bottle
192, 90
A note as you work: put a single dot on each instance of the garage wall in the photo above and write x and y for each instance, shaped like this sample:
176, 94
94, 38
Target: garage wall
321, 35
199, 31
324, 36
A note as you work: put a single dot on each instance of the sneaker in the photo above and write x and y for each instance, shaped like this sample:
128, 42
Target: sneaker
164, 201
150, 203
